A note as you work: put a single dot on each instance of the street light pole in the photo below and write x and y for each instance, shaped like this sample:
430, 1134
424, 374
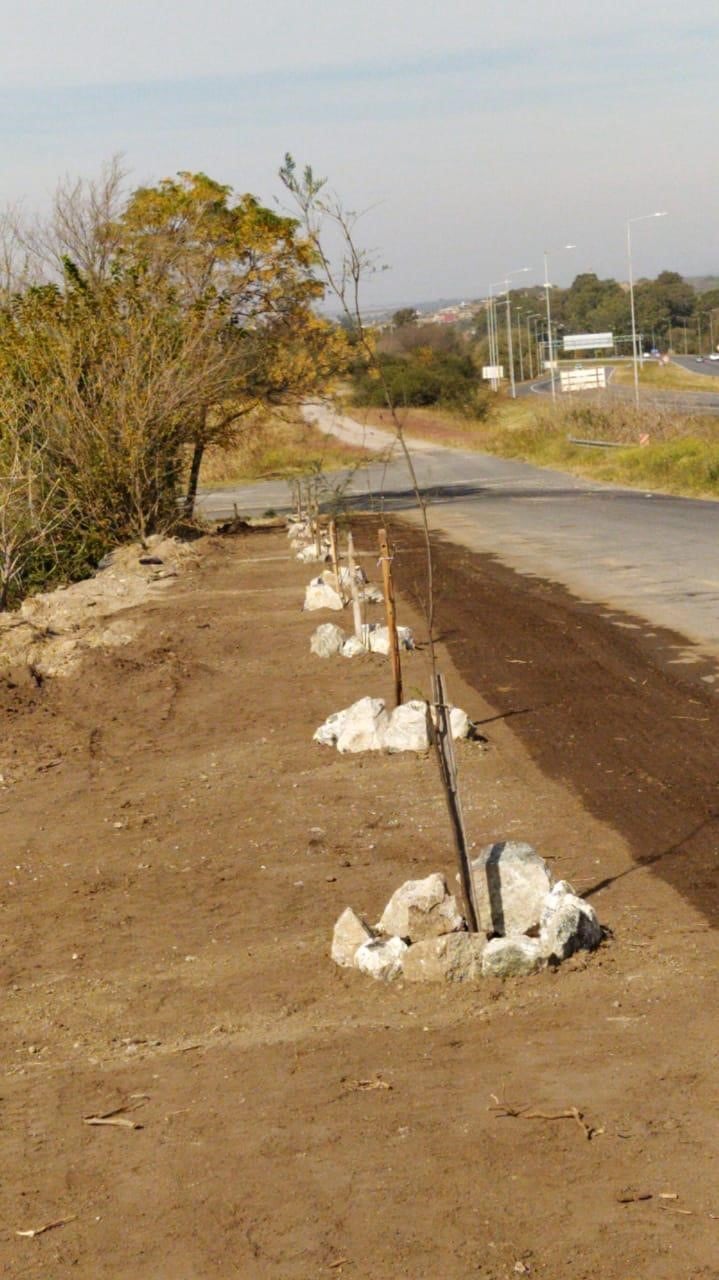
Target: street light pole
518, 311
529, 316
547, 287
494, 335
510, 349
643, 218
519, 272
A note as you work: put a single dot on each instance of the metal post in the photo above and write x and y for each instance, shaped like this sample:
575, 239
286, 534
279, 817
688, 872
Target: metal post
529, 347
549, 323
635, 362
519, 343
510, 348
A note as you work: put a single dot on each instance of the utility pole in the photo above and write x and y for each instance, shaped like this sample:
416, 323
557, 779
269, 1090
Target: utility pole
518, 310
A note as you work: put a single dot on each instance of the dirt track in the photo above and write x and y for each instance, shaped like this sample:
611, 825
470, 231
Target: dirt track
175, 851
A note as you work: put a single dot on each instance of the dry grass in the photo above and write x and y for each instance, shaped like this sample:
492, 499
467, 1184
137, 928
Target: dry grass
277, 446
681, 457
666, 377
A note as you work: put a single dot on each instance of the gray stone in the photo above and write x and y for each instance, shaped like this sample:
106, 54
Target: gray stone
454, 957
568, 924
511, 883
421, 909
327, 639
350, 933
381, 958
511, 957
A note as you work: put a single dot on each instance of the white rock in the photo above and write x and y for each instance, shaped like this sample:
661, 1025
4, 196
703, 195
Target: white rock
350, 933
421, 909
345, 576
318, 595
352, 647
328, 733
511, 957
309, 553
568, 924
381, 958
363, 727
460, 724
356, 728
407, 727
453, 957
511, 883
379, 639
327, 639
298, 529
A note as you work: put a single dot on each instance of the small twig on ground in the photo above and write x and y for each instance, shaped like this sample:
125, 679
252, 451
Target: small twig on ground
118, 1116
363, 1086
48, 1226
532, 1113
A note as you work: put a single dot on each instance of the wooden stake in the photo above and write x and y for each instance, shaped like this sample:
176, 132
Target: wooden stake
441, 736
333, 555
391, 612
356, 610
318, 531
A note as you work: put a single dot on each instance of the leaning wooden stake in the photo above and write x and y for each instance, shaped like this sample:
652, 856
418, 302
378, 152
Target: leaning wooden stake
441, 736
356, 610
391, 612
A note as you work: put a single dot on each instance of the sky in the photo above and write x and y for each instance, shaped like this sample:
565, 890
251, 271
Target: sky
471, 134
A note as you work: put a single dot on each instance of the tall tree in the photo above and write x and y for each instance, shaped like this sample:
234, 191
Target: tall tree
249, 270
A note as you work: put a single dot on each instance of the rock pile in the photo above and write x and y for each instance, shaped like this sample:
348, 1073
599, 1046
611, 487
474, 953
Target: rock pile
422, 935
303, 543
368, 726
329, 639
51, 632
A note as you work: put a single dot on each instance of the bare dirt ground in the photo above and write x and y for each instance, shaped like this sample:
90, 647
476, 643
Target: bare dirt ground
175, 851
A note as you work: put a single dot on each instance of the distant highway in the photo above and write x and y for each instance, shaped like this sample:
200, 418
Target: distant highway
709, 367
683, 401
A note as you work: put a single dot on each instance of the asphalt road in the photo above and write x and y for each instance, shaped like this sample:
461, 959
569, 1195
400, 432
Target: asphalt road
700, 401
708, 367
641, 553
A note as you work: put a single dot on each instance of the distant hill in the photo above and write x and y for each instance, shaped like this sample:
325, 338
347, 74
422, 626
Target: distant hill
702, 284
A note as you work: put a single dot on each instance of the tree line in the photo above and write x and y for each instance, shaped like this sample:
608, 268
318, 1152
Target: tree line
136, 331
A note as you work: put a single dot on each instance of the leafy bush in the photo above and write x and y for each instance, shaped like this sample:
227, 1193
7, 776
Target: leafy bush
423, 377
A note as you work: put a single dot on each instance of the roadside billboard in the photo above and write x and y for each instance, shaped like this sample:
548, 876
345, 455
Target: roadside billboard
583, 379
493, 371
587, 341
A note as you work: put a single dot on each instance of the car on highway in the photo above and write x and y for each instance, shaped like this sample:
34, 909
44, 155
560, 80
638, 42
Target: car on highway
714, 355
699, 359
